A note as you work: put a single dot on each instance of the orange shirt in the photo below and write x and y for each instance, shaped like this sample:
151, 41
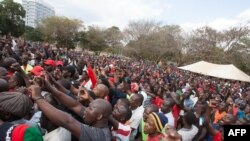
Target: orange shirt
218, 116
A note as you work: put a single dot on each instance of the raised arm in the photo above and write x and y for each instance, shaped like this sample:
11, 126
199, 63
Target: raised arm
66, 100
114, 122
58, 117
209, 127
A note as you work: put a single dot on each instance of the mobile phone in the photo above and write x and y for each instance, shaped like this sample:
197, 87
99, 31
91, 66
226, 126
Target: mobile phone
201, 121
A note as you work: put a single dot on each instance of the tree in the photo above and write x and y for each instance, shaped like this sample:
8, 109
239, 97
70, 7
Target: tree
113, 36
11, 18
163, 43
61, 30
33, 34
203, 44
137, 29
95, 39
234, 36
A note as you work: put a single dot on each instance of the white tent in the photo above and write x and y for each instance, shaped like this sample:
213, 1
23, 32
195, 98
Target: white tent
217, 70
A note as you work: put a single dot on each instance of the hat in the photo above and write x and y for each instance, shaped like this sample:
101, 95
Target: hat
37, 70
200, 90
50, 62
15, 103
134, 87
160, 120
22, 132
59, 63
112, 80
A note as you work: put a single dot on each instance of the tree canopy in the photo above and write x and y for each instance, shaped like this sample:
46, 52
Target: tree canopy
11, 18
61, 30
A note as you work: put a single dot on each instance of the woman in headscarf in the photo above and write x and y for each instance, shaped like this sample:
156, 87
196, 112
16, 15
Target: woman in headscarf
15, 106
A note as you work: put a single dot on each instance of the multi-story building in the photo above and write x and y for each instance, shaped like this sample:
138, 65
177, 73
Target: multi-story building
36, 11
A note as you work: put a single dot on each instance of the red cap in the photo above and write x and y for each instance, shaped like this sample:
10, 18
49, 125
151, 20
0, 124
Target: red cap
112, 80
134, 87
200, 90
59, 63
37, 70
50, 62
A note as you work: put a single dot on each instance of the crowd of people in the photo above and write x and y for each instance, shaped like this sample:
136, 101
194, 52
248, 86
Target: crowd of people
57, 95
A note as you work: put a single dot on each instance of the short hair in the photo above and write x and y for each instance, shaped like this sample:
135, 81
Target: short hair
65, 83
20, 80
70, 69
105, 82
189, 118
140, 96
153, 107
125, 101
128, 112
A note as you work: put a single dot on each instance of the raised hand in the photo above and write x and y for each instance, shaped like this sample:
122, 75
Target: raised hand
35, 92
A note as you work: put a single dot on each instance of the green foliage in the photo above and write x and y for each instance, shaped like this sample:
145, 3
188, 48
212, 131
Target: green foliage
11, 18
33, 34
95, 39
61, 30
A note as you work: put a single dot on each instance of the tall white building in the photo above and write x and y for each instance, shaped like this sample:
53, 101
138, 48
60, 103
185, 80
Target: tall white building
36, 11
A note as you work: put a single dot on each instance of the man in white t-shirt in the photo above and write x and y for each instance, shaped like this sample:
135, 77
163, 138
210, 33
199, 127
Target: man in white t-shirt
137, 112
166, 109
120, 115
188, 131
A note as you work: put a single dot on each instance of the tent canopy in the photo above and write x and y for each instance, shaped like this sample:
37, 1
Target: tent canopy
217, 70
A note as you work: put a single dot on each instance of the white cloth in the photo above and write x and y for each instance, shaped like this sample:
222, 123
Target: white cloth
188, 134
122, 133
145, 96
36, 117
88, 85
170, 119
32, 61
59, 134
136, 117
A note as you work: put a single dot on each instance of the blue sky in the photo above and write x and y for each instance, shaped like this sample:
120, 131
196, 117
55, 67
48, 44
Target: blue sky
190, 14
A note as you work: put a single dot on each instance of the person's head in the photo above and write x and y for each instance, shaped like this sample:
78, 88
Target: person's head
148, 110
59, 64
242, 121
228, 119
121, 87
85, 76
172, 135
4, 85
242, 106
68, 71
98, 112
122, 113
155, 123
49, 65
16, 80
4, 73
122, 101
222, 107
186, 95
14, 106
104, 81
101, 91
136, 101
200, 107
36, 71
25, 59
7, 62
167, 105
188, 119
65, 83
160, 92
